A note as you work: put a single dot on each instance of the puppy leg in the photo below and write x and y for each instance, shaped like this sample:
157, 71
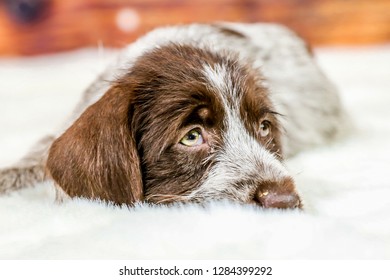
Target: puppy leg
28, 171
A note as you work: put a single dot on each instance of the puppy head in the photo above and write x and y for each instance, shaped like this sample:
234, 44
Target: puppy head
184, 124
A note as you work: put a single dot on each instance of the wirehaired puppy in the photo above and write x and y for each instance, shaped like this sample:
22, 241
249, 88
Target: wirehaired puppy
191, 114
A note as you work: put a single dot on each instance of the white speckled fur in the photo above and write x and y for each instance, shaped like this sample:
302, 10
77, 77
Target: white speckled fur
242, 158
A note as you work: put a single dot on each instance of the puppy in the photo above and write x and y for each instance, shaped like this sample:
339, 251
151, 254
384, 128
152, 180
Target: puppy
191, 114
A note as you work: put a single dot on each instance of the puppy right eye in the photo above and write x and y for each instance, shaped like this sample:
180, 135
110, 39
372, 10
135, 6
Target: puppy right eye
192, 139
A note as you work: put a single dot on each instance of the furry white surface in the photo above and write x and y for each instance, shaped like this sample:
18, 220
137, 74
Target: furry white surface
345, 187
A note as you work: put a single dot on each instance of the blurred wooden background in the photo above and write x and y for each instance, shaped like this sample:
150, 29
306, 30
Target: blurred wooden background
30, 27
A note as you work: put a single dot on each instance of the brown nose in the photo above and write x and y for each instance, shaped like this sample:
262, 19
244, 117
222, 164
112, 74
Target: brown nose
280, 195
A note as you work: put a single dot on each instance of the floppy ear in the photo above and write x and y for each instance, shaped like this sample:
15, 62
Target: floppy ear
96, 157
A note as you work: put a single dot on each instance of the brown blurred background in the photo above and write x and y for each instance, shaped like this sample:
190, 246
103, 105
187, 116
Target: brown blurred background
29, 27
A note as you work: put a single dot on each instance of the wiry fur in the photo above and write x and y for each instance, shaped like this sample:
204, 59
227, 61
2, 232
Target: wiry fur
123, 144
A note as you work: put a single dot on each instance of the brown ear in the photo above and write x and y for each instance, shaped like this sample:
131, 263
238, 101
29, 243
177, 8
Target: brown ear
96, 157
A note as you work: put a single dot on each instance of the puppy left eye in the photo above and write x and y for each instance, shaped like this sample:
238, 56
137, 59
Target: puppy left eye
192, 138
265, 128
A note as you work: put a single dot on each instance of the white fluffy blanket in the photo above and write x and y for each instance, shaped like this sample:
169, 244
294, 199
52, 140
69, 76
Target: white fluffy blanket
345, 187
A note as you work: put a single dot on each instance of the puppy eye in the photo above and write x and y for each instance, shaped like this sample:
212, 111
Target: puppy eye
265, 128
192, 138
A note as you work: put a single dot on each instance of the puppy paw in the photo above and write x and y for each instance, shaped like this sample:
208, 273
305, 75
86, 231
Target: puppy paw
15, 178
